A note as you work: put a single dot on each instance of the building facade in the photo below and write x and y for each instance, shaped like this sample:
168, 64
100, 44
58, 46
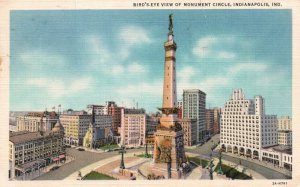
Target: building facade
36, 121
209, 121
189, 127
194, 103
180, 107
280, 156
98, 109
245, 128
285, 137
133, 127
75, 127
32, 150
217, 120
285, 123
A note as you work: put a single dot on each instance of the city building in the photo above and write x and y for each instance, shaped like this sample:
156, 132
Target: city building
99, 131
285, 123
74, 112
209, 121
98, 109
285, 137
151, 124
179, 106
133, 127
29, 151
189, 127
115, 111
194, 102
36, 121
217, 120
75, 127
285, 130
280, 156
245, 128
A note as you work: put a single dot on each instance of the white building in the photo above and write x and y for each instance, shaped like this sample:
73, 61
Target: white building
98, 109
280, 156
194, 102
133, 126
36, 121
245, 128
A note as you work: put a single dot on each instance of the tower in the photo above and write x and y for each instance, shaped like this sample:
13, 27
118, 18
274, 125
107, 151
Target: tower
169, 157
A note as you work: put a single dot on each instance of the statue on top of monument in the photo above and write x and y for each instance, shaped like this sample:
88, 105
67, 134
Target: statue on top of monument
171, 24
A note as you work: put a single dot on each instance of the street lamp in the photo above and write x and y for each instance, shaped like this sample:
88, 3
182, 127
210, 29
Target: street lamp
122, 151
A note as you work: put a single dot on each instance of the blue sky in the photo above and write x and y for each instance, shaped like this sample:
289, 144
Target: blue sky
75, 58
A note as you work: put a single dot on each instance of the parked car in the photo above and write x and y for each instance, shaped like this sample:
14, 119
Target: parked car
81, 149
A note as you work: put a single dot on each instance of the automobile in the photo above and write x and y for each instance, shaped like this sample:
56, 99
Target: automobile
81, 149
67, 146
54, 168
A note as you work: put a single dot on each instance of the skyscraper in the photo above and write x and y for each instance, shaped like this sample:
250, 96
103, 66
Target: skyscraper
194, 102
245, 128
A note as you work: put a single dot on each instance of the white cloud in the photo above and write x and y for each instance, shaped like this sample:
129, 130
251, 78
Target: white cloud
226, 55
117, 69
136, 68
186, 73
154, 88
97, 51
40, 58
216, 47
37, 82
59, 88
133, 35
249, 67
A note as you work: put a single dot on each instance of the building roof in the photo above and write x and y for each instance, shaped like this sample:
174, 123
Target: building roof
41, 114
280, 148
25, 136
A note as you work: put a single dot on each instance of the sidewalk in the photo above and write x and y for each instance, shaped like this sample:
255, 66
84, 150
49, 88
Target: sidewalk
240, 168
84, 171
261, 163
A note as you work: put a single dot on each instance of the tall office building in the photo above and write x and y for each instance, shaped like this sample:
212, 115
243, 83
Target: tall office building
194, 102
245, 128
133, 127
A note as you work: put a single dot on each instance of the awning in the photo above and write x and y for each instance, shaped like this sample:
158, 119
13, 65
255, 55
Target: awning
55, 159
61, 156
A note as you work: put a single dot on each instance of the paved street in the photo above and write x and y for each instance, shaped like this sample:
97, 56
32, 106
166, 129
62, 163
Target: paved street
205, 151
266, 172
82, 159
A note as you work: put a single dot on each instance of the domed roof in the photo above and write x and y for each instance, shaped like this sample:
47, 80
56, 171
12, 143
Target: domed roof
58, 128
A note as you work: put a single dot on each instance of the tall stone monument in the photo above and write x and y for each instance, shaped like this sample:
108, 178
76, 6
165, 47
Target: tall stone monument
169, 156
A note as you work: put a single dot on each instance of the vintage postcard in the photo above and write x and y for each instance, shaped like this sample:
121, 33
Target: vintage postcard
149, 93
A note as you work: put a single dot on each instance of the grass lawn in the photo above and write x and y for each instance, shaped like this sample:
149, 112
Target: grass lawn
109, 146
97, 176
199, 161
232, 173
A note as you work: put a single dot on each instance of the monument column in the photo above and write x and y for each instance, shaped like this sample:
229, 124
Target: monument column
168, 155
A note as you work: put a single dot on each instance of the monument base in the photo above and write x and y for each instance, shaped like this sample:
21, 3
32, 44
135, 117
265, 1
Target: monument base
161, 169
